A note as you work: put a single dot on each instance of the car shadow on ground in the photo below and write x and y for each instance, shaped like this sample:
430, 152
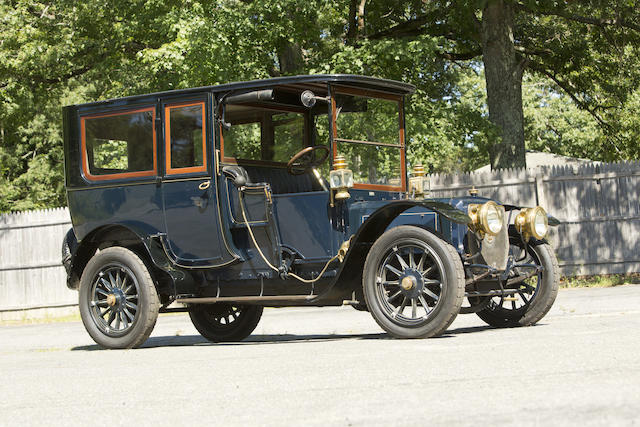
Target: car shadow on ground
264, 339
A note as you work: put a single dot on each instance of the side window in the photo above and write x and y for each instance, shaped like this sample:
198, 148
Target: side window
242, 141
262, 134
119, 145
185, 140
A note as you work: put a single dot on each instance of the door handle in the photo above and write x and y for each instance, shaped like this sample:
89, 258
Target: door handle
204, 185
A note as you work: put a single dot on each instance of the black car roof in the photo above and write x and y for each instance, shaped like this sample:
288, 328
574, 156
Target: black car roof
364, 82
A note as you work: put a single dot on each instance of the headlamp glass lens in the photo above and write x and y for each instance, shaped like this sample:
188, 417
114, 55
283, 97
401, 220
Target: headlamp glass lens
494, 219
540, 223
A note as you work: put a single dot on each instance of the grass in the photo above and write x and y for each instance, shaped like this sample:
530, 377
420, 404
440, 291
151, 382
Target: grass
39, 321
599, 281
53, 319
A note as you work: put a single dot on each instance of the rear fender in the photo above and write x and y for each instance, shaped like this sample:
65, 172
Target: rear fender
76, 255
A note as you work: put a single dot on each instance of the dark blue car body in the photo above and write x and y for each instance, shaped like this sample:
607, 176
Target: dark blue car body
188, 226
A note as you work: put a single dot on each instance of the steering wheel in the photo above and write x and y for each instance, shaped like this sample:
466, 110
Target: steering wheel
306, 159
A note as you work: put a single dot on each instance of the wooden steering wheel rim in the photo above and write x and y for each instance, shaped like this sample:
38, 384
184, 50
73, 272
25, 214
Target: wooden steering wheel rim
291, 163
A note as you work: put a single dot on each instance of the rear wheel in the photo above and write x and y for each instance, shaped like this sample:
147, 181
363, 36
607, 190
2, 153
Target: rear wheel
535, 295
118, 300
413, 283
223, 322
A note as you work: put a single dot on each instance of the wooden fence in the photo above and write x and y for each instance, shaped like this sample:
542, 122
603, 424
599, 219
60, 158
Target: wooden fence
32, 279
598, 205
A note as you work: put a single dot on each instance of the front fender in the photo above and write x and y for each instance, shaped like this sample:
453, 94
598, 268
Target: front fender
350, 271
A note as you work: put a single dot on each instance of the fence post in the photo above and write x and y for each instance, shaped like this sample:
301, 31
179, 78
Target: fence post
541, 198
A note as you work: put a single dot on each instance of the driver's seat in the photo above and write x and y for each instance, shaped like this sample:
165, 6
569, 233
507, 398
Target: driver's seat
281, 181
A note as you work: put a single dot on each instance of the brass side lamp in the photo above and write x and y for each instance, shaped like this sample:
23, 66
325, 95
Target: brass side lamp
341, 179
418, 183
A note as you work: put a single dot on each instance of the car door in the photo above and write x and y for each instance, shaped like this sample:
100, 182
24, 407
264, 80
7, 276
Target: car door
194, 234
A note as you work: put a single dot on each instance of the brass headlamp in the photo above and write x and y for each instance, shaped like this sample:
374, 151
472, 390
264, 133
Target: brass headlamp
341, 178
487, 218
532, 222
418, 183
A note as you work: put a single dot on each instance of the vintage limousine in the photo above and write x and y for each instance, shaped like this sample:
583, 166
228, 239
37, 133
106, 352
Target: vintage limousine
289, 191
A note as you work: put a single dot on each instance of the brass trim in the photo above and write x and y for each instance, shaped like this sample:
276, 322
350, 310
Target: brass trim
357, 141
267, 193
198, 178
111, 300
478, 214
344, 248
408, 283
525, 222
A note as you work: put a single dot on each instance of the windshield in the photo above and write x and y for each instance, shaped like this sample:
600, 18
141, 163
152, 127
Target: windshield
368, 134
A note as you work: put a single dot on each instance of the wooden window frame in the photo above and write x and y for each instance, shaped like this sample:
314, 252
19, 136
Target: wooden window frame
167, 140
121, 175
366, 93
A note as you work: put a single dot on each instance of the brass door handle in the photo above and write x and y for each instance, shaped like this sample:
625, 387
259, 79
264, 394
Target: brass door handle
204, 185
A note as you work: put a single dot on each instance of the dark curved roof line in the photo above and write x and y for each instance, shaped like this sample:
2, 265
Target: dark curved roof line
366, 82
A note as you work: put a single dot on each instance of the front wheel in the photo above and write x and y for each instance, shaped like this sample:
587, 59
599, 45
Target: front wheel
221, 322
535, 295
413, 283
118, 300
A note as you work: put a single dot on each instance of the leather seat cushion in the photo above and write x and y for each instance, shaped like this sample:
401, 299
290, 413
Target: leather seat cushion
281, 181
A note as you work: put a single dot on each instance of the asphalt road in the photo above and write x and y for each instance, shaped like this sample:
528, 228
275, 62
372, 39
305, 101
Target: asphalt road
334, 366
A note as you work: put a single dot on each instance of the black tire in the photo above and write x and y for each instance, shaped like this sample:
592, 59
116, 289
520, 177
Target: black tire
441, 288
69, 246
530, 305
360, 307
133, 303
222, 322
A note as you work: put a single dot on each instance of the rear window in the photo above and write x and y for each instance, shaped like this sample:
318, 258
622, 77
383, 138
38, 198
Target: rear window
119, 145
185, 140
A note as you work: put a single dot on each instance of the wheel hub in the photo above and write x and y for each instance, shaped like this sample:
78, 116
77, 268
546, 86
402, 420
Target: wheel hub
115, 298
408, 283
111, 300
411, 282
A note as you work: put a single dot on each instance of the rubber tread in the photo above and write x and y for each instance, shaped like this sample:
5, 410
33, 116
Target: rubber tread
247, 323
540, 307
150, 312
456, 285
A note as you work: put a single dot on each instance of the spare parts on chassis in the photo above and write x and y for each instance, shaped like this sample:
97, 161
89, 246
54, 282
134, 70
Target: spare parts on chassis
292, 191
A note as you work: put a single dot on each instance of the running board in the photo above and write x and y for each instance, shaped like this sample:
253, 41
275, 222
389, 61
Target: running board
247, 299
493, 293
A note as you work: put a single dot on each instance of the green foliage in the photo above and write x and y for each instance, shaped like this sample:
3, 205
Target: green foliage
111, 154
581, 93
599, 281
553, 123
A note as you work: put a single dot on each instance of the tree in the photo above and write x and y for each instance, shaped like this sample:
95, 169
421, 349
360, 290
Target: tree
468, 60
588, 49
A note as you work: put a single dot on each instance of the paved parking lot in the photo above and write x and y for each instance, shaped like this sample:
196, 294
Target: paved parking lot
334, 366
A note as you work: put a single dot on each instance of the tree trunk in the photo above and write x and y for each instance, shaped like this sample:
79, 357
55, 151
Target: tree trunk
503, 74
355, 28
290, 59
